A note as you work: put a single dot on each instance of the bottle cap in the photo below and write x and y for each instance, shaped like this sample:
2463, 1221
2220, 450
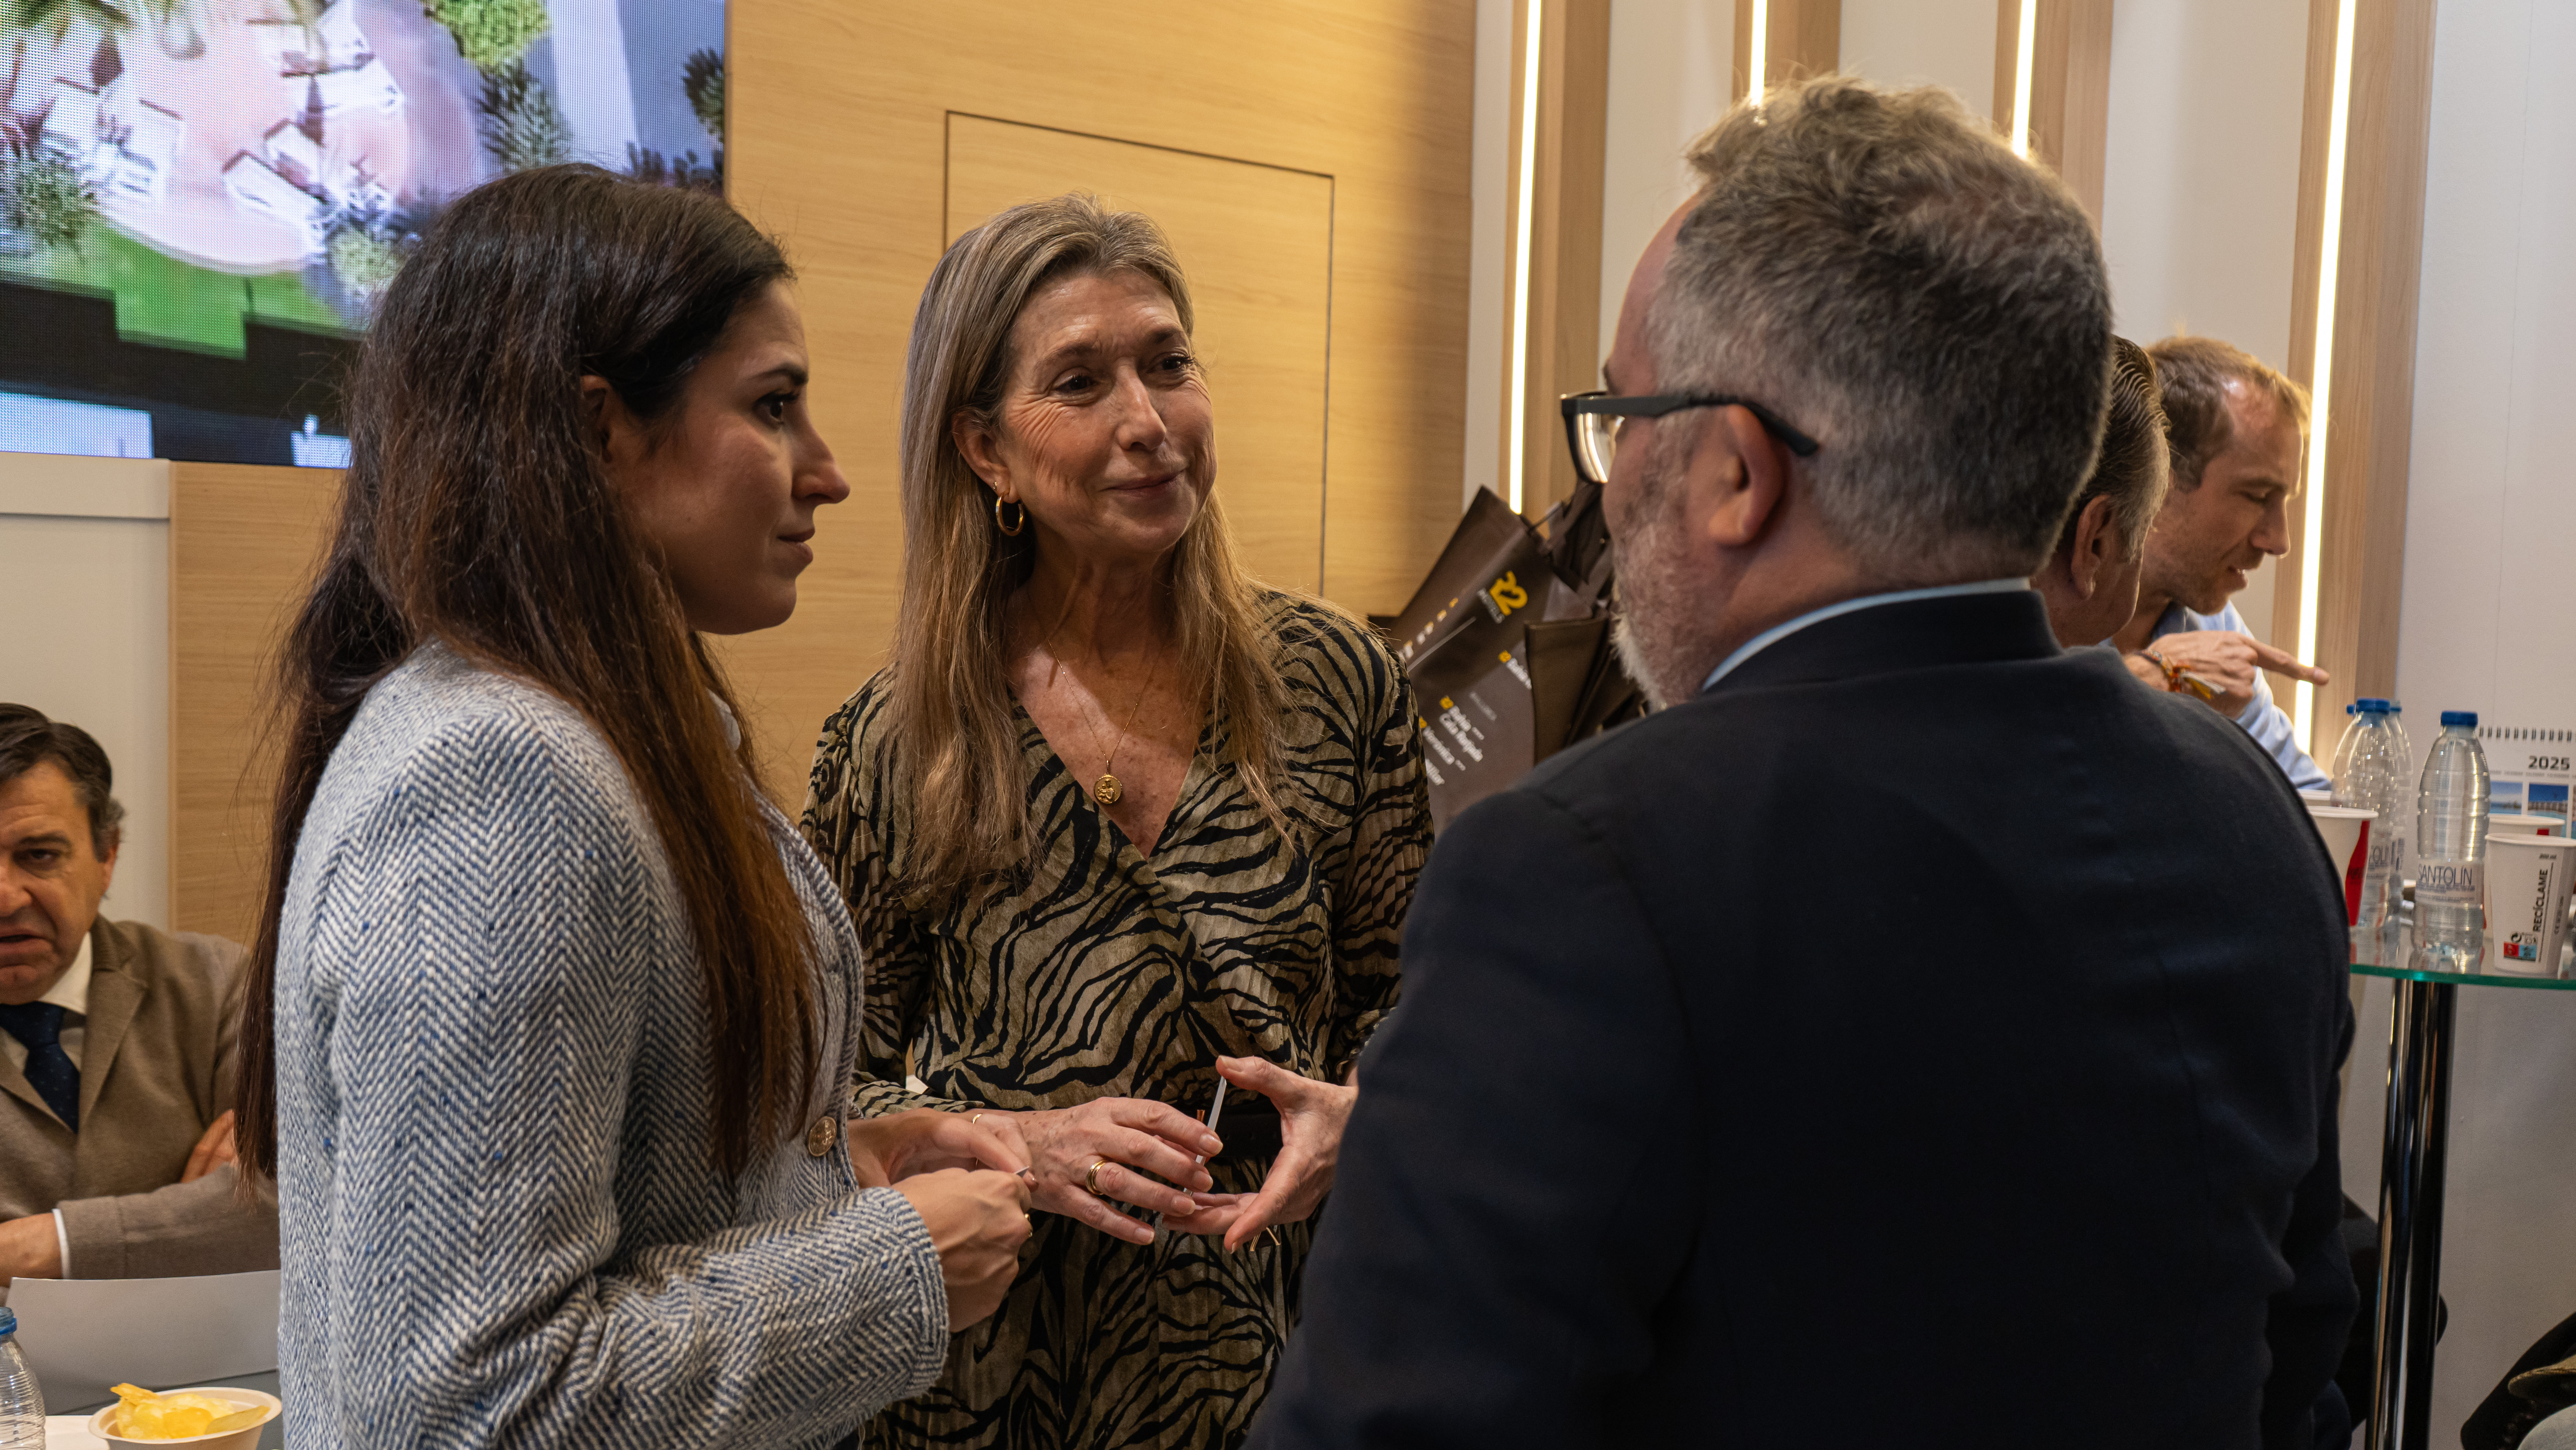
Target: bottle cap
2371, 707
2460, 717
8, 1321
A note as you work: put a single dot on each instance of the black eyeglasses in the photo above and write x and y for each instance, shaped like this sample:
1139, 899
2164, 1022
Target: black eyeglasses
1592, 424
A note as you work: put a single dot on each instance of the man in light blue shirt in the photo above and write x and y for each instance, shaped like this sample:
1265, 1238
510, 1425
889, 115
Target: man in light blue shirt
2234, 428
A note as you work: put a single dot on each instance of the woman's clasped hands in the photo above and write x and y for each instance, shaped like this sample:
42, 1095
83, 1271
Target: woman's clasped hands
1151, 1156
1088, 1157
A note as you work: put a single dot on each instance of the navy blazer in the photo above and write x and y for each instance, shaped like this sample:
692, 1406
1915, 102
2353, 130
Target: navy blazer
1925, 1037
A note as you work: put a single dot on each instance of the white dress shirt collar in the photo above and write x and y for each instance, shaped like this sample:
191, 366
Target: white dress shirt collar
71, 990
1779, 632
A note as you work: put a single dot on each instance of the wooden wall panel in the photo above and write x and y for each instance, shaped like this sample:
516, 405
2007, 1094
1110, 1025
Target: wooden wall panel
2083, 107
1564, 331
1799, 38
2070, 88
1256, 243
244, 542
2371, 401
839, 115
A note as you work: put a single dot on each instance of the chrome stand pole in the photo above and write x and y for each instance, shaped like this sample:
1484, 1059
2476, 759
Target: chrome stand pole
2410, 1214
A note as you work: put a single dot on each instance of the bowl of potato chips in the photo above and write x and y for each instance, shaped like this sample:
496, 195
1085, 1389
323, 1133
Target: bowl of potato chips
214, 1417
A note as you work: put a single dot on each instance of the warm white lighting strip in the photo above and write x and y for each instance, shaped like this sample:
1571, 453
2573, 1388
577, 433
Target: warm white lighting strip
2321, 375
2023, 49
1521, 255
1758, 44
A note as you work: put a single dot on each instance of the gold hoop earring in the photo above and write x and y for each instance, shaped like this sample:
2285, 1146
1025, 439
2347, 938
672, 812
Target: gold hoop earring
1012, 529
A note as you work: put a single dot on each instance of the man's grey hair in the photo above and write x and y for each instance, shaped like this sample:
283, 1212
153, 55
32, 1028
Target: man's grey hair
1882, 272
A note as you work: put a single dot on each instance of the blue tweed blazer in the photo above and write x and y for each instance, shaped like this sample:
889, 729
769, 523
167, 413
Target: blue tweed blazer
499, 1222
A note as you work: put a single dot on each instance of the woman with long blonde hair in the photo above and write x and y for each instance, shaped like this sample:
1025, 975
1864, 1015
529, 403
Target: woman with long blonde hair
1120, 828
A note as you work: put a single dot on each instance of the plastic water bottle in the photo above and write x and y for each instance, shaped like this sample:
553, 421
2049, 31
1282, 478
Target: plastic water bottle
22, 1405
2451, 851
2370, 771
2401, 914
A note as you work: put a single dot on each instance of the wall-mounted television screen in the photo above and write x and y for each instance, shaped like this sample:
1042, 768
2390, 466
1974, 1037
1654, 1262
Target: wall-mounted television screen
200, 200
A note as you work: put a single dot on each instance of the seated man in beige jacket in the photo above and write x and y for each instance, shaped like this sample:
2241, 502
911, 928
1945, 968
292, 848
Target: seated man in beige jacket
116, 1048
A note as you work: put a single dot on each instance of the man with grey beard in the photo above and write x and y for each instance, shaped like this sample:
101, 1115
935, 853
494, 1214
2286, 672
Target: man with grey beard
1870, 1048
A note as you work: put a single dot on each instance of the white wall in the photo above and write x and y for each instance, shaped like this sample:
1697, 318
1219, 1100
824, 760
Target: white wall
85, 551
1670, 62
2485, 625
1671, 67
2491, 516
1924, 43
2200, 200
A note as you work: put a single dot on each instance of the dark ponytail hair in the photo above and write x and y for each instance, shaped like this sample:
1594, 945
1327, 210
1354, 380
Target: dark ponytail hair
475, 513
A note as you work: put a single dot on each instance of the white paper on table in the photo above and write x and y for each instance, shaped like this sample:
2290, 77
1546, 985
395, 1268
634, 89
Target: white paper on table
70, 1432
82, 1335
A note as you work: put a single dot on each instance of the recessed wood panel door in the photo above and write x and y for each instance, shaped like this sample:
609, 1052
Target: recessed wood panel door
1256, 245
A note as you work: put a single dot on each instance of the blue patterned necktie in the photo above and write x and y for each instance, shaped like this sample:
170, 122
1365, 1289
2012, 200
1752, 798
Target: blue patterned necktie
49, 1069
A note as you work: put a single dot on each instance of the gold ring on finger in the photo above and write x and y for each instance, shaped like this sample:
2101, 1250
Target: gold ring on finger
1091, 1179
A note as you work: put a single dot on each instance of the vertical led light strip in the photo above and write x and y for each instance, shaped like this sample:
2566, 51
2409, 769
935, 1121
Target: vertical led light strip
2321, 374
2024, 45
1521, 252
1758, 49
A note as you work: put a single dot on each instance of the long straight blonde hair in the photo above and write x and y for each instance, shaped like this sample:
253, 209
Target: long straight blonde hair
950, 712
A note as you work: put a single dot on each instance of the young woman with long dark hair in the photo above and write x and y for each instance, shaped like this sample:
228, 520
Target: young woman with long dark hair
551, 1019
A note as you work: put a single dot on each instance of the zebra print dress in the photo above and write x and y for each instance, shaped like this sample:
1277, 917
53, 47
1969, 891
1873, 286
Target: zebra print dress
1103, 973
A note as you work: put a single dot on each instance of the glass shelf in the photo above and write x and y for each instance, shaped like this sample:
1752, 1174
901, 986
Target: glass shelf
2467, 979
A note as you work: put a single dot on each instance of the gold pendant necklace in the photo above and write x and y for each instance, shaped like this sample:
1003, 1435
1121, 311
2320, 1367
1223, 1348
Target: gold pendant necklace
1108, 790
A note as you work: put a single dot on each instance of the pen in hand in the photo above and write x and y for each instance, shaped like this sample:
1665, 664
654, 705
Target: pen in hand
1215, 1111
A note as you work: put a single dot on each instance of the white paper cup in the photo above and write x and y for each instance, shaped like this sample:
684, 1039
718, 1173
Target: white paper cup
2346, 832
2527, 885
2527, 825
